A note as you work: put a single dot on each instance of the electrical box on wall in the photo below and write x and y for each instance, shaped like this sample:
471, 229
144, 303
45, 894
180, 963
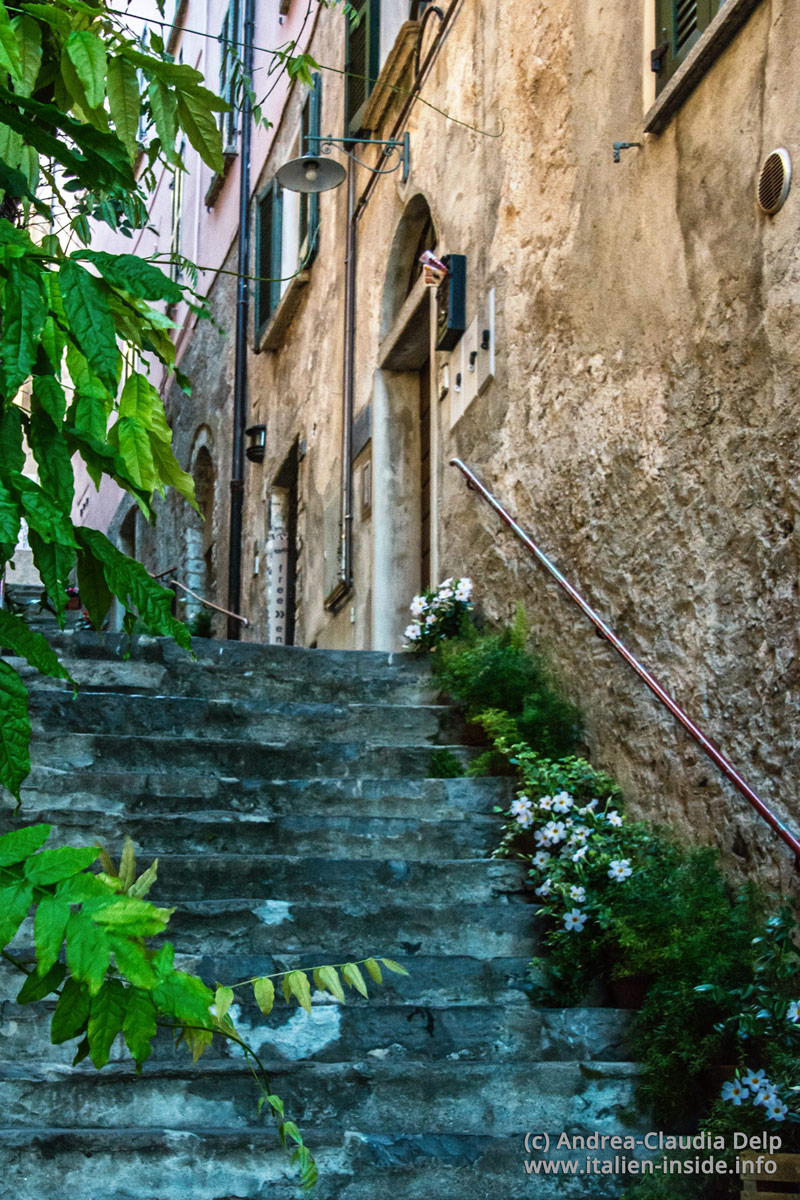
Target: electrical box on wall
472, 363
451, 302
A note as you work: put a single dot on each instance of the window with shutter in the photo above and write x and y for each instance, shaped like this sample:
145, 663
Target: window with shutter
229, 40
679, 24
269, 240
310, 130
363, 61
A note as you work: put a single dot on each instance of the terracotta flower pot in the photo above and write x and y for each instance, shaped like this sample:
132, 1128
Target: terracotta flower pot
73, 603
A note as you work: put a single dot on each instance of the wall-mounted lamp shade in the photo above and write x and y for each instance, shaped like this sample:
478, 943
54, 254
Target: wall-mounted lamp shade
257, 446
309, 174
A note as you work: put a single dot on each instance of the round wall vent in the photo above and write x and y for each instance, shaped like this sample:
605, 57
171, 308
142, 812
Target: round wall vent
774, 181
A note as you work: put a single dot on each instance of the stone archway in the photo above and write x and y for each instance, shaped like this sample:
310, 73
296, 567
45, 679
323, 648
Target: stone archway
403, 508
200, 536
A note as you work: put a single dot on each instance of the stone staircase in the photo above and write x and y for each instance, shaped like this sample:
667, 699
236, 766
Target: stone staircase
286, 795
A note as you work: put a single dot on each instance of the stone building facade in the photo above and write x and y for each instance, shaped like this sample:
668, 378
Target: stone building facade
625, 385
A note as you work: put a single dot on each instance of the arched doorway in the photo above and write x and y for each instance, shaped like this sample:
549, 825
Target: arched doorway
200, 567
403, 465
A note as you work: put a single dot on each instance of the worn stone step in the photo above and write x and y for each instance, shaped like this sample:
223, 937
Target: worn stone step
351, 837
360, 1029
242, 720
198, 1163
282, 877
230, 757
89, 789
384, 1097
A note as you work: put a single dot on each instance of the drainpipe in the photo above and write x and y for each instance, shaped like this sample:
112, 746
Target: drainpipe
240, 352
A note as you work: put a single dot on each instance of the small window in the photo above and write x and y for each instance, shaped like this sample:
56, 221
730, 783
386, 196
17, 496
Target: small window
310, 130
269, 242
176, 219
363, 61
679, 24
230, 57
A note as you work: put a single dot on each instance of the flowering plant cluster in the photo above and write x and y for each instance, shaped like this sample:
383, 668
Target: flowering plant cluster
438, 614
754, 1088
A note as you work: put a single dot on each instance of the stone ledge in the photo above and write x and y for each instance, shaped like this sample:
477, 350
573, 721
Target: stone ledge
704, 54
271, 336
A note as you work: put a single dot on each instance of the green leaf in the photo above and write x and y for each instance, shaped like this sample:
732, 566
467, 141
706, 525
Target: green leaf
124, 101
50, 394
134, 275
145, 881
134, 445
95, 595
201, 128
36, 987
300, 988
87, 56
89, 315
45, 518
49, 927
223, 999
52, 457
88, 951
164, 108
169, 471
391, 965
127, 863
185, 997
352, 975
15, 900
29, 168
71, 1012
24, 313
54, 563
29, 41
19, 844
106, 1018
264, 992
9, 524
327, 979
10, 152
374, 970
31, 645
133, 962
132, 585
198, 1040
12, 455
51, 866
9, 47
139, 1024
15, 733
136, 918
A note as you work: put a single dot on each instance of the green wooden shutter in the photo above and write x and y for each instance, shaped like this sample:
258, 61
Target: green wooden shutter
309, 202
363, 62
679, 24
229, 37
269, 238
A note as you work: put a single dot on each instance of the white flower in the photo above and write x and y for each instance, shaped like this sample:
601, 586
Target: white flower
555, 830
794, 1011
575, 920
777, 1110
525, 819
579, 835
541, 837
545, 889
613, 817
446, 583
541, 858
735, 1092
521, 805
562, 802
577, 893
545, 802
754, 1079
620, 869
418, 606
765, 1095
463, 589
588, 808
430, 620
579, 853
412, 633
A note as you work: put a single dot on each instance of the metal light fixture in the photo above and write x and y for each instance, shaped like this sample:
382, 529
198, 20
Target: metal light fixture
257, 446
313, 173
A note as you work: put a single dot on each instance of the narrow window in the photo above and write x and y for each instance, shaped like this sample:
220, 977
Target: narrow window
310, 129
176, 219
269, 239
363, 61
230, 57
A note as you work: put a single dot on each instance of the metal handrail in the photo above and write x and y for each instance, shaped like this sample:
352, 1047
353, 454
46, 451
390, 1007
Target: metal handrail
200, 599
710, 749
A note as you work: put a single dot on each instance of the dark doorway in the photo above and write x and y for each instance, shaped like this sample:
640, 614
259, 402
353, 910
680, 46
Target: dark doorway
283, 534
